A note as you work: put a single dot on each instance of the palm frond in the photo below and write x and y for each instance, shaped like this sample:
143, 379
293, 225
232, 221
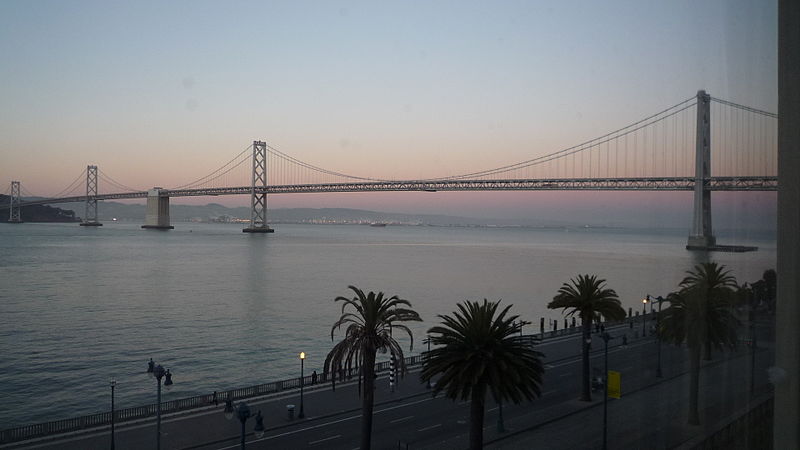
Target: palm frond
476, 346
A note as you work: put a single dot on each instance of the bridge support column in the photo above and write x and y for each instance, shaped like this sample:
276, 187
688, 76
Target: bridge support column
258, 191
90, 217
13, 206
157, 216
702, 237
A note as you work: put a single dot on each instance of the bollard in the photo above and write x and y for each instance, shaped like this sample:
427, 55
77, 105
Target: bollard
290, 411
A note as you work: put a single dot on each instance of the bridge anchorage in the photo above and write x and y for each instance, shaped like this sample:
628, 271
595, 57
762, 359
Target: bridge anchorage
157, 215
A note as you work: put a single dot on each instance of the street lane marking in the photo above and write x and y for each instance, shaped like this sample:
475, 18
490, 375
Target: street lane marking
326, 439
549, 392
401, 419
492, 409
430, 427
628, 368
328, 423
567, 374
615, 350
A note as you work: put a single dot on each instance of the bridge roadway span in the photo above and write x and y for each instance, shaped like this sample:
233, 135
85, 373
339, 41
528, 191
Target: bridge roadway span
760, 183
411, 416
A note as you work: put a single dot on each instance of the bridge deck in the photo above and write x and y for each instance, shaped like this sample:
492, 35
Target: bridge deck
761, 183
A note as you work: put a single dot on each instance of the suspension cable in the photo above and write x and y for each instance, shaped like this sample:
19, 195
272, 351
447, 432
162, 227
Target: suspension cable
582, 146
107, 178
70, 187
745, 108
204, 178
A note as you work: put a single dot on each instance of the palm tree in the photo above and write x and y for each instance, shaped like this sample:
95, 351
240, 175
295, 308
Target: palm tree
700, 314
587, 297
368, 330
477, 350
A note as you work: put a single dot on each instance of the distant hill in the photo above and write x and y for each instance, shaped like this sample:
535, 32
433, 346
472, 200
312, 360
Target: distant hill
38, 213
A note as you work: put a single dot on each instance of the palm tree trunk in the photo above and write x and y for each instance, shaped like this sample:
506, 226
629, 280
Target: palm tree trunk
476, 410
586, 391
368, 399
694, 382
707, 351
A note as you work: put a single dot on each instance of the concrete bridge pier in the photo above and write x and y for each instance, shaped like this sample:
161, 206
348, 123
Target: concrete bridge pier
157, 216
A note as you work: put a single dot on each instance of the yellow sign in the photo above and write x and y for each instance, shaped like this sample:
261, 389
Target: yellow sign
614, 383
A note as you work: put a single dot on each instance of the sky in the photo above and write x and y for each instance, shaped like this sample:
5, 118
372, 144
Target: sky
162, 93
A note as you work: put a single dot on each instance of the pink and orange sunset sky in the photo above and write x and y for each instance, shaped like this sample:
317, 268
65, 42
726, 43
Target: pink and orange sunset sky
162, 93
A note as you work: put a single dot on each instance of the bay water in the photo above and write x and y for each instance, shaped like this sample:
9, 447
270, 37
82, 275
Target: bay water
224, 309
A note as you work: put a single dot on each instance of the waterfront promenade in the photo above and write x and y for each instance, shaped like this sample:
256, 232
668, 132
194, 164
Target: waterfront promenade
410, 416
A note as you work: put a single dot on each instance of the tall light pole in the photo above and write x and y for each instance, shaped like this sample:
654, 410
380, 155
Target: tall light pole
159, 372
302, 381
644, 313
427, 356
113, 385
242, 411
753, 349
606, 337
501, 428
658, 336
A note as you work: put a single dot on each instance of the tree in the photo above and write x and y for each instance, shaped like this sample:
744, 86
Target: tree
587, 297
700, 314
770, 278
368, 331
477, 351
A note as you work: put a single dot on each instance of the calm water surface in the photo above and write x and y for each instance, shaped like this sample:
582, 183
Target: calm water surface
225, 309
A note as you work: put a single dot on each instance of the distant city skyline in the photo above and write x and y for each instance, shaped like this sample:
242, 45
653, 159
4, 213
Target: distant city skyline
161, 94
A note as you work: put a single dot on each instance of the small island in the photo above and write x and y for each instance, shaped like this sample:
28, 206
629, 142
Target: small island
38, 213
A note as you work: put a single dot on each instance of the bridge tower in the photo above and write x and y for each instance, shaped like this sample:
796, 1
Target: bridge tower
90, 217
13, 206
702, 237
258, 191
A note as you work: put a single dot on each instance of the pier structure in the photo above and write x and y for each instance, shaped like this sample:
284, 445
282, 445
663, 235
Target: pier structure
157, 215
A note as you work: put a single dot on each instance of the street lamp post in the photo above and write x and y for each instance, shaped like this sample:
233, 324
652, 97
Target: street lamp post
753, 349
606, 337
500, 424
658, 336
428, 355
242, 411
113, 385
644, 313
302, 382
159, 372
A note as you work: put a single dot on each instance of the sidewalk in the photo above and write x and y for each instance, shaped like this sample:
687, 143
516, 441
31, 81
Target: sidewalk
653, 417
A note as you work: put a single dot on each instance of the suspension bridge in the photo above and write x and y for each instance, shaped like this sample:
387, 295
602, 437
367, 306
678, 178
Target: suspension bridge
671, 150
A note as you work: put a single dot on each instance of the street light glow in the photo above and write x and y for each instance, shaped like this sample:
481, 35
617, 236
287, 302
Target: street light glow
302, 355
